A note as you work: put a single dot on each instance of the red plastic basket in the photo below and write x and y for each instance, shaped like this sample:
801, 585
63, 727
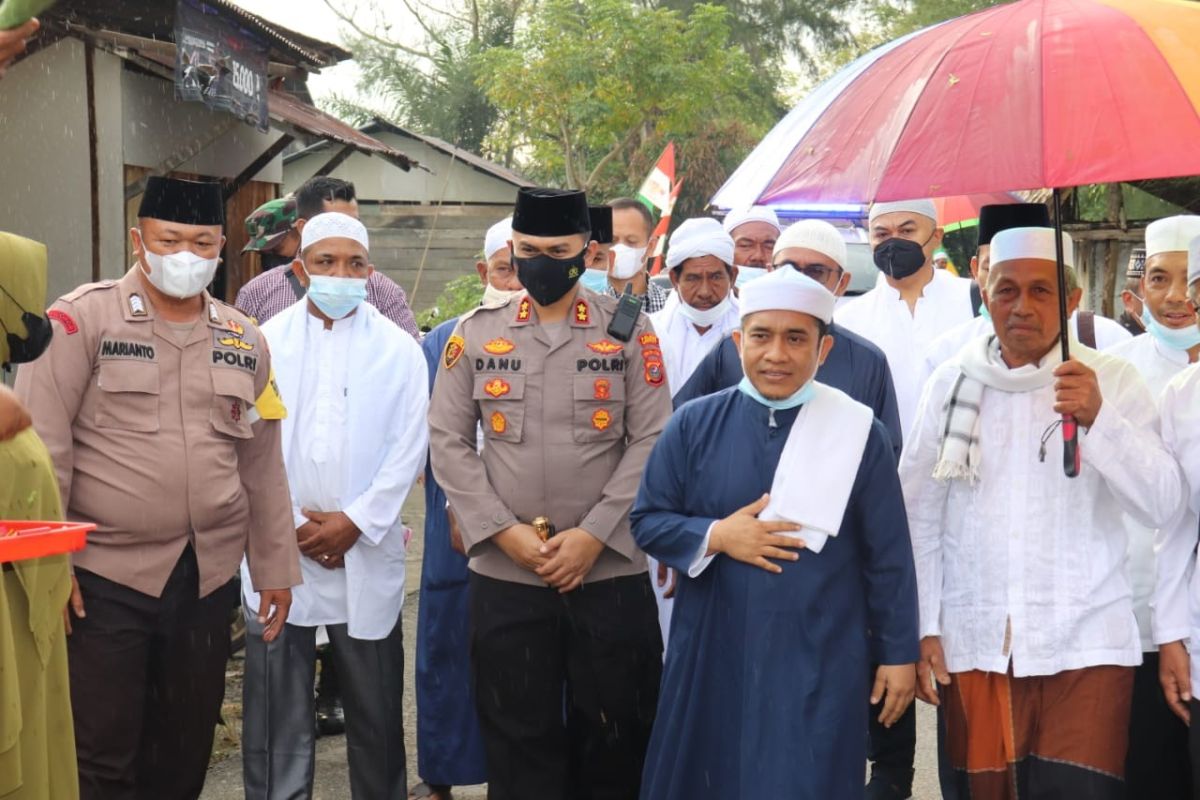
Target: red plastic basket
23, 540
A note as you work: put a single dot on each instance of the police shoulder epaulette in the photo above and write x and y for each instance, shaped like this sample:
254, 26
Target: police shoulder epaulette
86, 288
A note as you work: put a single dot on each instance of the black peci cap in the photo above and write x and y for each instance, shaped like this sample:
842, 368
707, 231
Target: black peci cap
186, 202
602, 227
551, 212
1001, 217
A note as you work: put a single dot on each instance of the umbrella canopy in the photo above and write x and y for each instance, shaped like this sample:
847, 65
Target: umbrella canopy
1033, 94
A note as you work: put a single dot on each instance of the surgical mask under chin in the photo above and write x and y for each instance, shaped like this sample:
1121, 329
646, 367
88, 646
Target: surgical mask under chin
705, 317
1174, 338
628, 261
336, 297
180, 275
899, 258
797, 398
595, 280
747, 274
497, 297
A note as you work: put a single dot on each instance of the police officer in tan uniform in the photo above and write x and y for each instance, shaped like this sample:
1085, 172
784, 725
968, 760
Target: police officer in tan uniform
157, 405
561, 607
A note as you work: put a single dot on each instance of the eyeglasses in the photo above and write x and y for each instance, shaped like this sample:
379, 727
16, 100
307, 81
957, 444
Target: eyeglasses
818, 272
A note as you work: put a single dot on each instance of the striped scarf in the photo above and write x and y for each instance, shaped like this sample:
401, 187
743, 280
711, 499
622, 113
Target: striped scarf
980, 367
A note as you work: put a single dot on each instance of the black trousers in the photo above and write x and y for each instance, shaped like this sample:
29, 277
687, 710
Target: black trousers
891, 752
147, 681
566, 686
1157, 763
278, 757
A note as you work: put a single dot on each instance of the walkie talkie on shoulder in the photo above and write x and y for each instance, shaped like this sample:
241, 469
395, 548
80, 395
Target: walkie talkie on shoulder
629, 306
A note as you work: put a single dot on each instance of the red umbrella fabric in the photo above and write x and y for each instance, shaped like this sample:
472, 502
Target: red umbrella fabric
1033, 94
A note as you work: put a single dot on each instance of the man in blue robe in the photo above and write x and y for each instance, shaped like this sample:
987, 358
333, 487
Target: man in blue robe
855, 366
774, 636
449, 745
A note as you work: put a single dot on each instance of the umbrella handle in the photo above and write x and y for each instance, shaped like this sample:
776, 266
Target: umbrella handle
1070, 434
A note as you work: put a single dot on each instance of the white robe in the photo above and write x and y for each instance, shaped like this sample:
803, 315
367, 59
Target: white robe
1177, 586
883, 317
354, 441
1027, 544
1157, 364
683, 346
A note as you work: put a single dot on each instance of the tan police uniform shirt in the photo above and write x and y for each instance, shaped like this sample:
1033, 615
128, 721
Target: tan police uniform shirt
160, 442
569, 418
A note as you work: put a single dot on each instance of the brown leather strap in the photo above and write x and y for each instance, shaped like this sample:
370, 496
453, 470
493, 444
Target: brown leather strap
1087, 329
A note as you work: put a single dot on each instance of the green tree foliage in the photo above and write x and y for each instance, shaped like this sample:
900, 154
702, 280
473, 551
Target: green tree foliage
457, 298
591, 91
433, 86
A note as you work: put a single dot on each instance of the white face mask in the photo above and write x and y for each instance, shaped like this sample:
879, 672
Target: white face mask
704, 317
498, 297
628, 261
182, 275
747, 274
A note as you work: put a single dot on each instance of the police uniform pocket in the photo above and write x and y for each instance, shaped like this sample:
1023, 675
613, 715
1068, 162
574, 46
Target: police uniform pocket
501, 401
599, 407
128, 396
233, 397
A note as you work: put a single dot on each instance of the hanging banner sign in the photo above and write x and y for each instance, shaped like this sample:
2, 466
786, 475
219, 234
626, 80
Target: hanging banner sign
220, 63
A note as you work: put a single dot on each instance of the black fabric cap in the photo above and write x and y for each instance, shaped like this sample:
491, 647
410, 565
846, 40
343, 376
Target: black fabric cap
601, 217
551, 212
185, 202
1001, 217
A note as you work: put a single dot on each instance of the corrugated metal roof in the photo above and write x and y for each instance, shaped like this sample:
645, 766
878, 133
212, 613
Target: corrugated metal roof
478, 162
155, 19
290, 110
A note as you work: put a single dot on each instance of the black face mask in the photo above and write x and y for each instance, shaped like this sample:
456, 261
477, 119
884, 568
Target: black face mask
272, 260
548, 279
899, 258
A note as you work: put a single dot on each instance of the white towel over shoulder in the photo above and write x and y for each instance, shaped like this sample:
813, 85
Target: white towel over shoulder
818, 466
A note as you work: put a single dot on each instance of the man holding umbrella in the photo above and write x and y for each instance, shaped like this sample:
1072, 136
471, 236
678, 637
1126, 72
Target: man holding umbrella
1029, 637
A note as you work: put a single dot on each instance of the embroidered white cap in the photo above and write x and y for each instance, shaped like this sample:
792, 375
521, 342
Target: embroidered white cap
752, 214
787, 290
1171, 234
696, 237
333, 225
814, 234
498, 237
1015, 243
925, 208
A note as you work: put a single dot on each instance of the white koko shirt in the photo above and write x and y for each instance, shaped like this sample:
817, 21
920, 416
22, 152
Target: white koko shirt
883, 317
1028, 545
354, 441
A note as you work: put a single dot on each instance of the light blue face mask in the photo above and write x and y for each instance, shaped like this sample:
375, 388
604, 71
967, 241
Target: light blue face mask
336, 297
983, 312
798, 398
595, 280
1174, 338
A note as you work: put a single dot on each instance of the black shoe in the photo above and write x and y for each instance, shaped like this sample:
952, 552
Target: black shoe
331, 720
887, 786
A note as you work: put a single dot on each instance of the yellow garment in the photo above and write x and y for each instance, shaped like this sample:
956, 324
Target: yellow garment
37, 737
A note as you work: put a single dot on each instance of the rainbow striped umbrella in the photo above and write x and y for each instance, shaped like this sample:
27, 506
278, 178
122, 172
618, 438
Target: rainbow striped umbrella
1028, 95
1032, 94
